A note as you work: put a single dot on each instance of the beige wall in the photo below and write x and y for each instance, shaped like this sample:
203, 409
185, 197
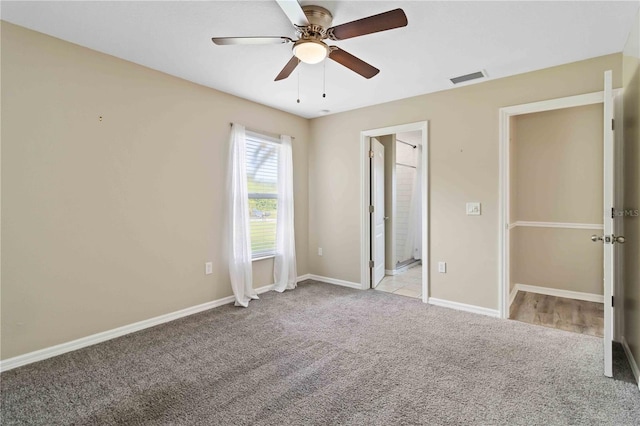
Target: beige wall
105, 223
558, 165
463, 162
631, 250
557, 177
563, 259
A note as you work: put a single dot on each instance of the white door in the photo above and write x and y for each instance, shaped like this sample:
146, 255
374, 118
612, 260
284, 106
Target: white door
610, 237
377, 217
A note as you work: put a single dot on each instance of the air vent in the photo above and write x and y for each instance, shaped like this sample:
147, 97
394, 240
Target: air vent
467, 77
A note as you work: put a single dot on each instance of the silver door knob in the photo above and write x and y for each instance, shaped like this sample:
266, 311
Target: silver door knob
386, 218
619, 239
595, 238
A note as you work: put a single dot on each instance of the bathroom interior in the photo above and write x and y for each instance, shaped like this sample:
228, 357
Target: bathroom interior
403, 243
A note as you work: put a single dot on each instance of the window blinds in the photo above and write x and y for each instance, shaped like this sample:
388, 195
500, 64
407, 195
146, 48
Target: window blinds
262, 185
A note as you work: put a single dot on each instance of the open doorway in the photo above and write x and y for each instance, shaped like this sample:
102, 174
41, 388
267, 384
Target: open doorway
397, 215
556, 198
559, 237
395, 210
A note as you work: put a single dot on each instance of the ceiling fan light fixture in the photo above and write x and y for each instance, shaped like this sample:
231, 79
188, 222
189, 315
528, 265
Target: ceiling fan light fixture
310, 51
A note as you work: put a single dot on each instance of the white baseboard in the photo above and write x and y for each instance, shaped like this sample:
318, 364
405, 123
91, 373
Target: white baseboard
577, 295
304, 277
83, 342
513, 294
632, 360
464, 307
335, 281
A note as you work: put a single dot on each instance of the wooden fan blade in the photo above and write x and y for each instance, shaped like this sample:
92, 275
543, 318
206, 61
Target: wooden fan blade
294, 12
354, 64
223, 41
373, 24
288, 69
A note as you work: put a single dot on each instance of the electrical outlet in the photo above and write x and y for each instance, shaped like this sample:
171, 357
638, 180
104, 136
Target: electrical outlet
319, 251
208, 268
442, 267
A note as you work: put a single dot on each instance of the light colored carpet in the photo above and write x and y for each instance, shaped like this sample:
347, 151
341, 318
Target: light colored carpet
323, 354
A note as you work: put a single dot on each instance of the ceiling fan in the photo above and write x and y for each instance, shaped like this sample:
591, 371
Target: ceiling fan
313, 26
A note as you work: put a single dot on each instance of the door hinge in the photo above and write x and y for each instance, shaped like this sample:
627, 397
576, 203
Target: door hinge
612, 301
371, 209
613, 213
371, 264
613, 124
370, 153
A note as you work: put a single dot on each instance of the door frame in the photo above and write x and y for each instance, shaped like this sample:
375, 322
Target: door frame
504, 172
365, 188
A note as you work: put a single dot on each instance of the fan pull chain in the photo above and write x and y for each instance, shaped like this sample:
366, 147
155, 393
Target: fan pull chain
298, 83
324, 79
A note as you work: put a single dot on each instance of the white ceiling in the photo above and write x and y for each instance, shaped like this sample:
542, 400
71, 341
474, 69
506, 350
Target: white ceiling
442, 40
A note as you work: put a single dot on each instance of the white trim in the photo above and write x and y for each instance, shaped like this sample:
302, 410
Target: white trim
564, 225
513, 294
365, 236
632, 360
265, 288
304, 277
568, 294
559, 103
83, 342
422, 126
464, 307
503, 212
335, 281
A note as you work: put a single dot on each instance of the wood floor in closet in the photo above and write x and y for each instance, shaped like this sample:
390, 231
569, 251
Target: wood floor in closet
577, 316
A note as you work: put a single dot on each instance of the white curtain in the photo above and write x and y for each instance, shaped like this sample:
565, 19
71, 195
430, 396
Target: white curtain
284, 270
413, 246
238, 217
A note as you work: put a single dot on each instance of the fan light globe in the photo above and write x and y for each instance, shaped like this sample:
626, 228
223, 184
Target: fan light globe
310, 52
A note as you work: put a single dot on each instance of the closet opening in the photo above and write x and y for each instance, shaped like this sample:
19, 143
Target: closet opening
560, 239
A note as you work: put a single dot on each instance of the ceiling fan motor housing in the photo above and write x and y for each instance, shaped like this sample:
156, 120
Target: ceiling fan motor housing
320, 20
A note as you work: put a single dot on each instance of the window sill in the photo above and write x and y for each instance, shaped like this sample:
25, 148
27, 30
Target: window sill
270, 256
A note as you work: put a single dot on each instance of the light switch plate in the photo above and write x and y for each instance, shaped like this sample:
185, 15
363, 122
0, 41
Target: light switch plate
473, 209
208, 268
442, 267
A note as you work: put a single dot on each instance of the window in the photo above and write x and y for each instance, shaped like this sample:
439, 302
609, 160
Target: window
262, 186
